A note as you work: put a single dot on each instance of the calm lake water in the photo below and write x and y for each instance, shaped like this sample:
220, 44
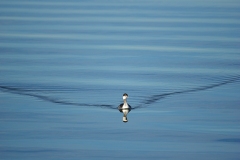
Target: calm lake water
64, 66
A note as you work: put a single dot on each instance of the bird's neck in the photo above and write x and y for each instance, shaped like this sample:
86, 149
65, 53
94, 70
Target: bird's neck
125, 105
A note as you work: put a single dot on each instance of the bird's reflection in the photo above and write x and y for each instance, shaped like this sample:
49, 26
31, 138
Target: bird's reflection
125, 112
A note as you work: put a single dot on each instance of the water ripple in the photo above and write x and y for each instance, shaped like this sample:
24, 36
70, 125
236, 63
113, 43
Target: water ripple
146, 102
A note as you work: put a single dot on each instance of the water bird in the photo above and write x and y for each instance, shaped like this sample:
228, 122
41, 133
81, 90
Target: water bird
125, 108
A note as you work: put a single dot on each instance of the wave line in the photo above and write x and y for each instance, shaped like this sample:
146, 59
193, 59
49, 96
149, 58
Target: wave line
155, 98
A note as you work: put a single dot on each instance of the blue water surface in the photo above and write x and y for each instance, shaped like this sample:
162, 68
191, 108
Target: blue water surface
64, 66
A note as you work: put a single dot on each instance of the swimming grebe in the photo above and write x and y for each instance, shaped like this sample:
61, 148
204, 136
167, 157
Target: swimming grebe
125, 108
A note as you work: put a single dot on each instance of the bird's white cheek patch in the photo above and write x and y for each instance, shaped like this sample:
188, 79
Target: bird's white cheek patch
124, 97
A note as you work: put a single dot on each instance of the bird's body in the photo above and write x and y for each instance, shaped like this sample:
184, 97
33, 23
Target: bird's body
125, 108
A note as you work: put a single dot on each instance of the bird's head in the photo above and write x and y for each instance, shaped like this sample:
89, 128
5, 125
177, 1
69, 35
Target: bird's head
125, 96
